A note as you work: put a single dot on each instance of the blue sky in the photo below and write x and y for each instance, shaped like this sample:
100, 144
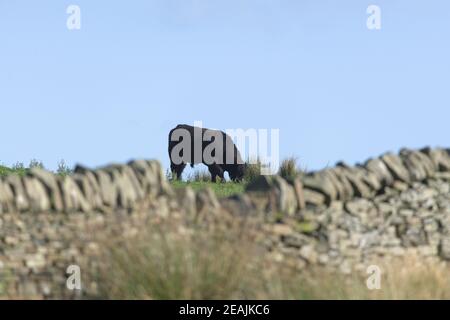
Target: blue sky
113, 90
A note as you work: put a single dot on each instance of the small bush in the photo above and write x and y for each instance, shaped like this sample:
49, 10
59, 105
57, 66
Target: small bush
19, 168
63, 169
253, 170
35, 164
289, 169
4, 171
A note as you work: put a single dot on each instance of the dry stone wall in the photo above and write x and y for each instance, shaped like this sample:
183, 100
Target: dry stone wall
105, 189
342, 217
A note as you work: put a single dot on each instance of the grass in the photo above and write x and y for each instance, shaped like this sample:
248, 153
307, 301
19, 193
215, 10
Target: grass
227, 264
225, 189
4, 171
20, 169
166, 264
289, 169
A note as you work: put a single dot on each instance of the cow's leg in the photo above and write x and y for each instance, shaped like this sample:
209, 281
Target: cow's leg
213, 173
177, 170
216, 171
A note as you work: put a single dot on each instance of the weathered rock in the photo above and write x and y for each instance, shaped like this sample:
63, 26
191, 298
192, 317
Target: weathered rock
50, 182
107, 189
396, 167
309, 253
426, 162
360, 188
21, 200
284, 195
37, 195
346, 191
320, 182
439, 157
90, 189
369, 178
186, 198
7, 202
298, 189
150, 177
314, 198
287, 200
126, 193
358, 206
337, 184
131, 176
73, 198
442, 175
444, 248
379, 168
419, 166
207, 202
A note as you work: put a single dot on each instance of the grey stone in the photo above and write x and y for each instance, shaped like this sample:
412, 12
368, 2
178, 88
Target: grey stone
21, 200
300, 196
396, 167
439, 157
107, 189
7, 202
360, 188
284, 195
73, 198
346, 191
50, 181
358, 206
37, 195
314, 198
89, 187
131, 176
370, 179
417, 164
151, 177
379, 168
337, 184
126, 194
288, 202
206, 200
320, 182
444, 248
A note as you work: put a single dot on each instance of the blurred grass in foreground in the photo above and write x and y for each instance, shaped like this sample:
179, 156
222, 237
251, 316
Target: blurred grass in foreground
227, 264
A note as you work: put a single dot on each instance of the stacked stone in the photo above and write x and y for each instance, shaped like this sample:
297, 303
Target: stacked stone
389, 206
344, 182
104, 189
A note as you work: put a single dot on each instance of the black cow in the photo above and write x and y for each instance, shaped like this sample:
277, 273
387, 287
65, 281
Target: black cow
204, 139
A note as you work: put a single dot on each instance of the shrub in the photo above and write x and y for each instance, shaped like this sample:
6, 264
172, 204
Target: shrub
289, 169
19, 168
253, 170
63, 169
35, 164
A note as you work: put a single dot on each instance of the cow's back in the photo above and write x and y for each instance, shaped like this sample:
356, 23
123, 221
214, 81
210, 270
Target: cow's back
228, 144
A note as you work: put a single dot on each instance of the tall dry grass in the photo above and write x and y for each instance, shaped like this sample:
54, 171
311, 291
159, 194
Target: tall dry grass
224, 263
